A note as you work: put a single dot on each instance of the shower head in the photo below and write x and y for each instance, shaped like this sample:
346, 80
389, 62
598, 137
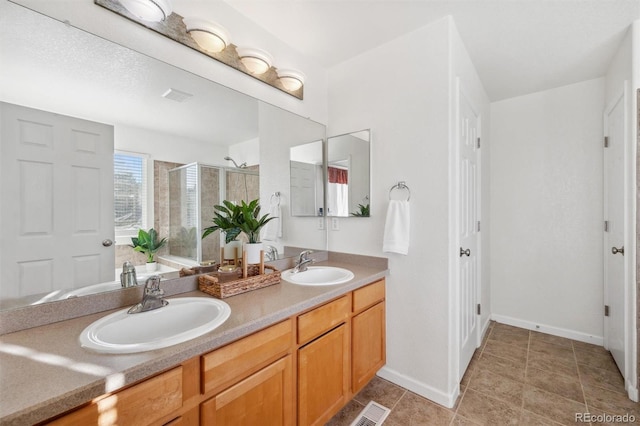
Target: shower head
241, 166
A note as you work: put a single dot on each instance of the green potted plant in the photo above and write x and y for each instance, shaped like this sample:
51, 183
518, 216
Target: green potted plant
225, 220
251, 223
149, 244
363, 211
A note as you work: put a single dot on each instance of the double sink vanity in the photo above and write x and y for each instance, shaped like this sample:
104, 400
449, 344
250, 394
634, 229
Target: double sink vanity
291, 353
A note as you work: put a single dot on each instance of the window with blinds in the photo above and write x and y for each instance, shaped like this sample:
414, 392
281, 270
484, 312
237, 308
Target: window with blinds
130, 193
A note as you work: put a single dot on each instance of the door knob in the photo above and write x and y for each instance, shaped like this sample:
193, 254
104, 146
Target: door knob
466, 252
615, 250
107, 242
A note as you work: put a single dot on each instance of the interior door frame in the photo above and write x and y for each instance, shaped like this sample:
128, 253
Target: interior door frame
454, 234
629, 209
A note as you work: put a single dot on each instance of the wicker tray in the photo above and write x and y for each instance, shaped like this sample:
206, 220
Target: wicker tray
209, 284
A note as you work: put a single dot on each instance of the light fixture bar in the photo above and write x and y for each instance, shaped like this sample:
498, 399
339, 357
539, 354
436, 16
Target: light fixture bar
174, 28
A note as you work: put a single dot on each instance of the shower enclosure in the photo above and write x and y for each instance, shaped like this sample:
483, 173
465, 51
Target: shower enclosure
194, 190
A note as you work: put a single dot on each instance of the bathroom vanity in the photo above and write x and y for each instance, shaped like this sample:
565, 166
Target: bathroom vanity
289, 354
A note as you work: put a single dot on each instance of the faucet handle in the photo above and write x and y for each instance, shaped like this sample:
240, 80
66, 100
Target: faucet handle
152, 285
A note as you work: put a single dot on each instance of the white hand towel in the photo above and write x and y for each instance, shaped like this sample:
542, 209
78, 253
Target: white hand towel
273, 229
396, 228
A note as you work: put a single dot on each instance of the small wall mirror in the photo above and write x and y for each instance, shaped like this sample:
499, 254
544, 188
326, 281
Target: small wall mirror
306, 179
349, 174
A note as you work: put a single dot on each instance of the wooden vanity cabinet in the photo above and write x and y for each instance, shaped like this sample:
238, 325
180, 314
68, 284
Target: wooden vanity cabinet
300, 371
368, 337
323, 361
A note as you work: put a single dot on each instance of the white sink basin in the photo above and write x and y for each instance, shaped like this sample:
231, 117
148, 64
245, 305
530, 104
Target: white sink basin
181, 320
318, 275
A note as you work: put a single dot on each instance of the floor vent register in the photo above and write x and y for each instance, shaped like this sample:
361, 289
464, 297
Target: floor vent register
373, 414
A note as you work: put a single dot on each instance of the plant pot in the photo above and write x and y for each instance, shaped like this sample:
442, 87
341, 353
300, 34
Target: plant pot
230, 250
152, 266
253, 252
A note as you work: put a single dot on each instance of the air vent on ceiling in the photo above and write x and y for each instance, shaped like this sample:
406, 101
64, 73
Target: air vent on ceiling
176, 95
373, 414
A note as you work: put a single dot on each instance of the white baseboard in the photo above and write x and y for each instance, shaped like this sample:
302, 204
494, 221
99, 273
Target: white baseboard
422, 389
556, 331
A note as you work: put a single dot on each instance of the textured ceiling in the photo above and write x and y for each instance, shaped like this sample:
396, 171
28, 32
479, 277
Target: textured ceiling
517, 46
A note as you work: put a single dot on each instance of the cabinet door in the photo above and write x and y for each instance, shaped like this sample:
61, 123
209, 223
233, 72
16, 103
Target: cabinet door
323, 377
265, 398
368, 345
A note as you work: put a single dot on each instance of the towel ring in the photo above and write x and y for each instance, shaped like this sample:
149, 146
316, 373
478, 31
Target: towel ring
400, 185
275, 195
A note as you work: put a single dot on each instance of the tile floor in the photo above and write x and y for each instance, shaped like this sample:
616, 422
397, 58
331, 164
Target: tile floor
517, 377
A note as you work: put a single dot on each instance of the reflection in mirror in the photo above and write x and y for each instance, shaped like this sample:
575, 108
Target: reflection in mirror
349, 174
66, 71
307, 177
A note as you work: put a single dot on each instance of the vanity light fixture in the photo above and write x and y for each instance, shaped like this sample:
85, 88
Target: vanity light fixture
209, 39
209, 35
291, 79
148, 10
255, 60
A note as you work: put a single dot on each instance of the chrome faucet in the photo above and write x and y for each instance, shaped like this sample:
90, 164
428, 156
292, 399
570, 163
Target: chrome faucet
151, 298
303, 262
128, 275
271, 253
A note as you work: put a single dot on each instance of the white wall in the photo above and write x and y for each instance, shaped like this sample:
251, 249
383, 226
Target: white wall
86, 15
405, 100
165, 147
546, 210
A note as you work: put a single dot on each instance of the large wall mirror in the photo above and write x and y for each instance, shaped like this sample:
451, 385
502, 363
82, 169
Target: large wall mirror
349, 174
161, 113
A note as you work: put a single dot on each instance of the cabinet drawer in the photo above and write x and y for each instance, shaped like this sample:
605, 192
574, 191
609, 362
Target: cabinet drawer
322, 319
141, 404
368, 295
229, 364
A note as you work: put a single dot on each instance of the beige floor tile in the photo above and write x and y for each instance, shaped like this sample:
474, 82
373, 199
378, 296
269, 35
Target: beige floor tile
527, 418
506, 350
347, 415
543, 361
414, 410
496, 386
511, 329
488, 411
596, 359
558, 351
589, 347
559, 384
380, 391
502, 366
551, 406
518, 338
458, 420
599, 377
556, 340
610, 401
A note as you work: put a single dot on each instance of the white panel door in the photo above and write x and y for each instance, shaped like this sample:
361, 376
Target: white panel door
614, 236
303, 189
469, 208
56, 187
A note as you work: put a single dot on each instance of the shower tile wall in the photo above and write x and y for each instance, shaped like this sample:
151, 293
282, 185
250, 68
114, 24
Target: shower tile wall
209, 197
236, 190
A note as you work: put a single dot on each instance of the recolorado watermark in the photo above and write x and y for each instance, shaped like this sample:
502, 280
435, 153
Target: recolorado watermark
605, 418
